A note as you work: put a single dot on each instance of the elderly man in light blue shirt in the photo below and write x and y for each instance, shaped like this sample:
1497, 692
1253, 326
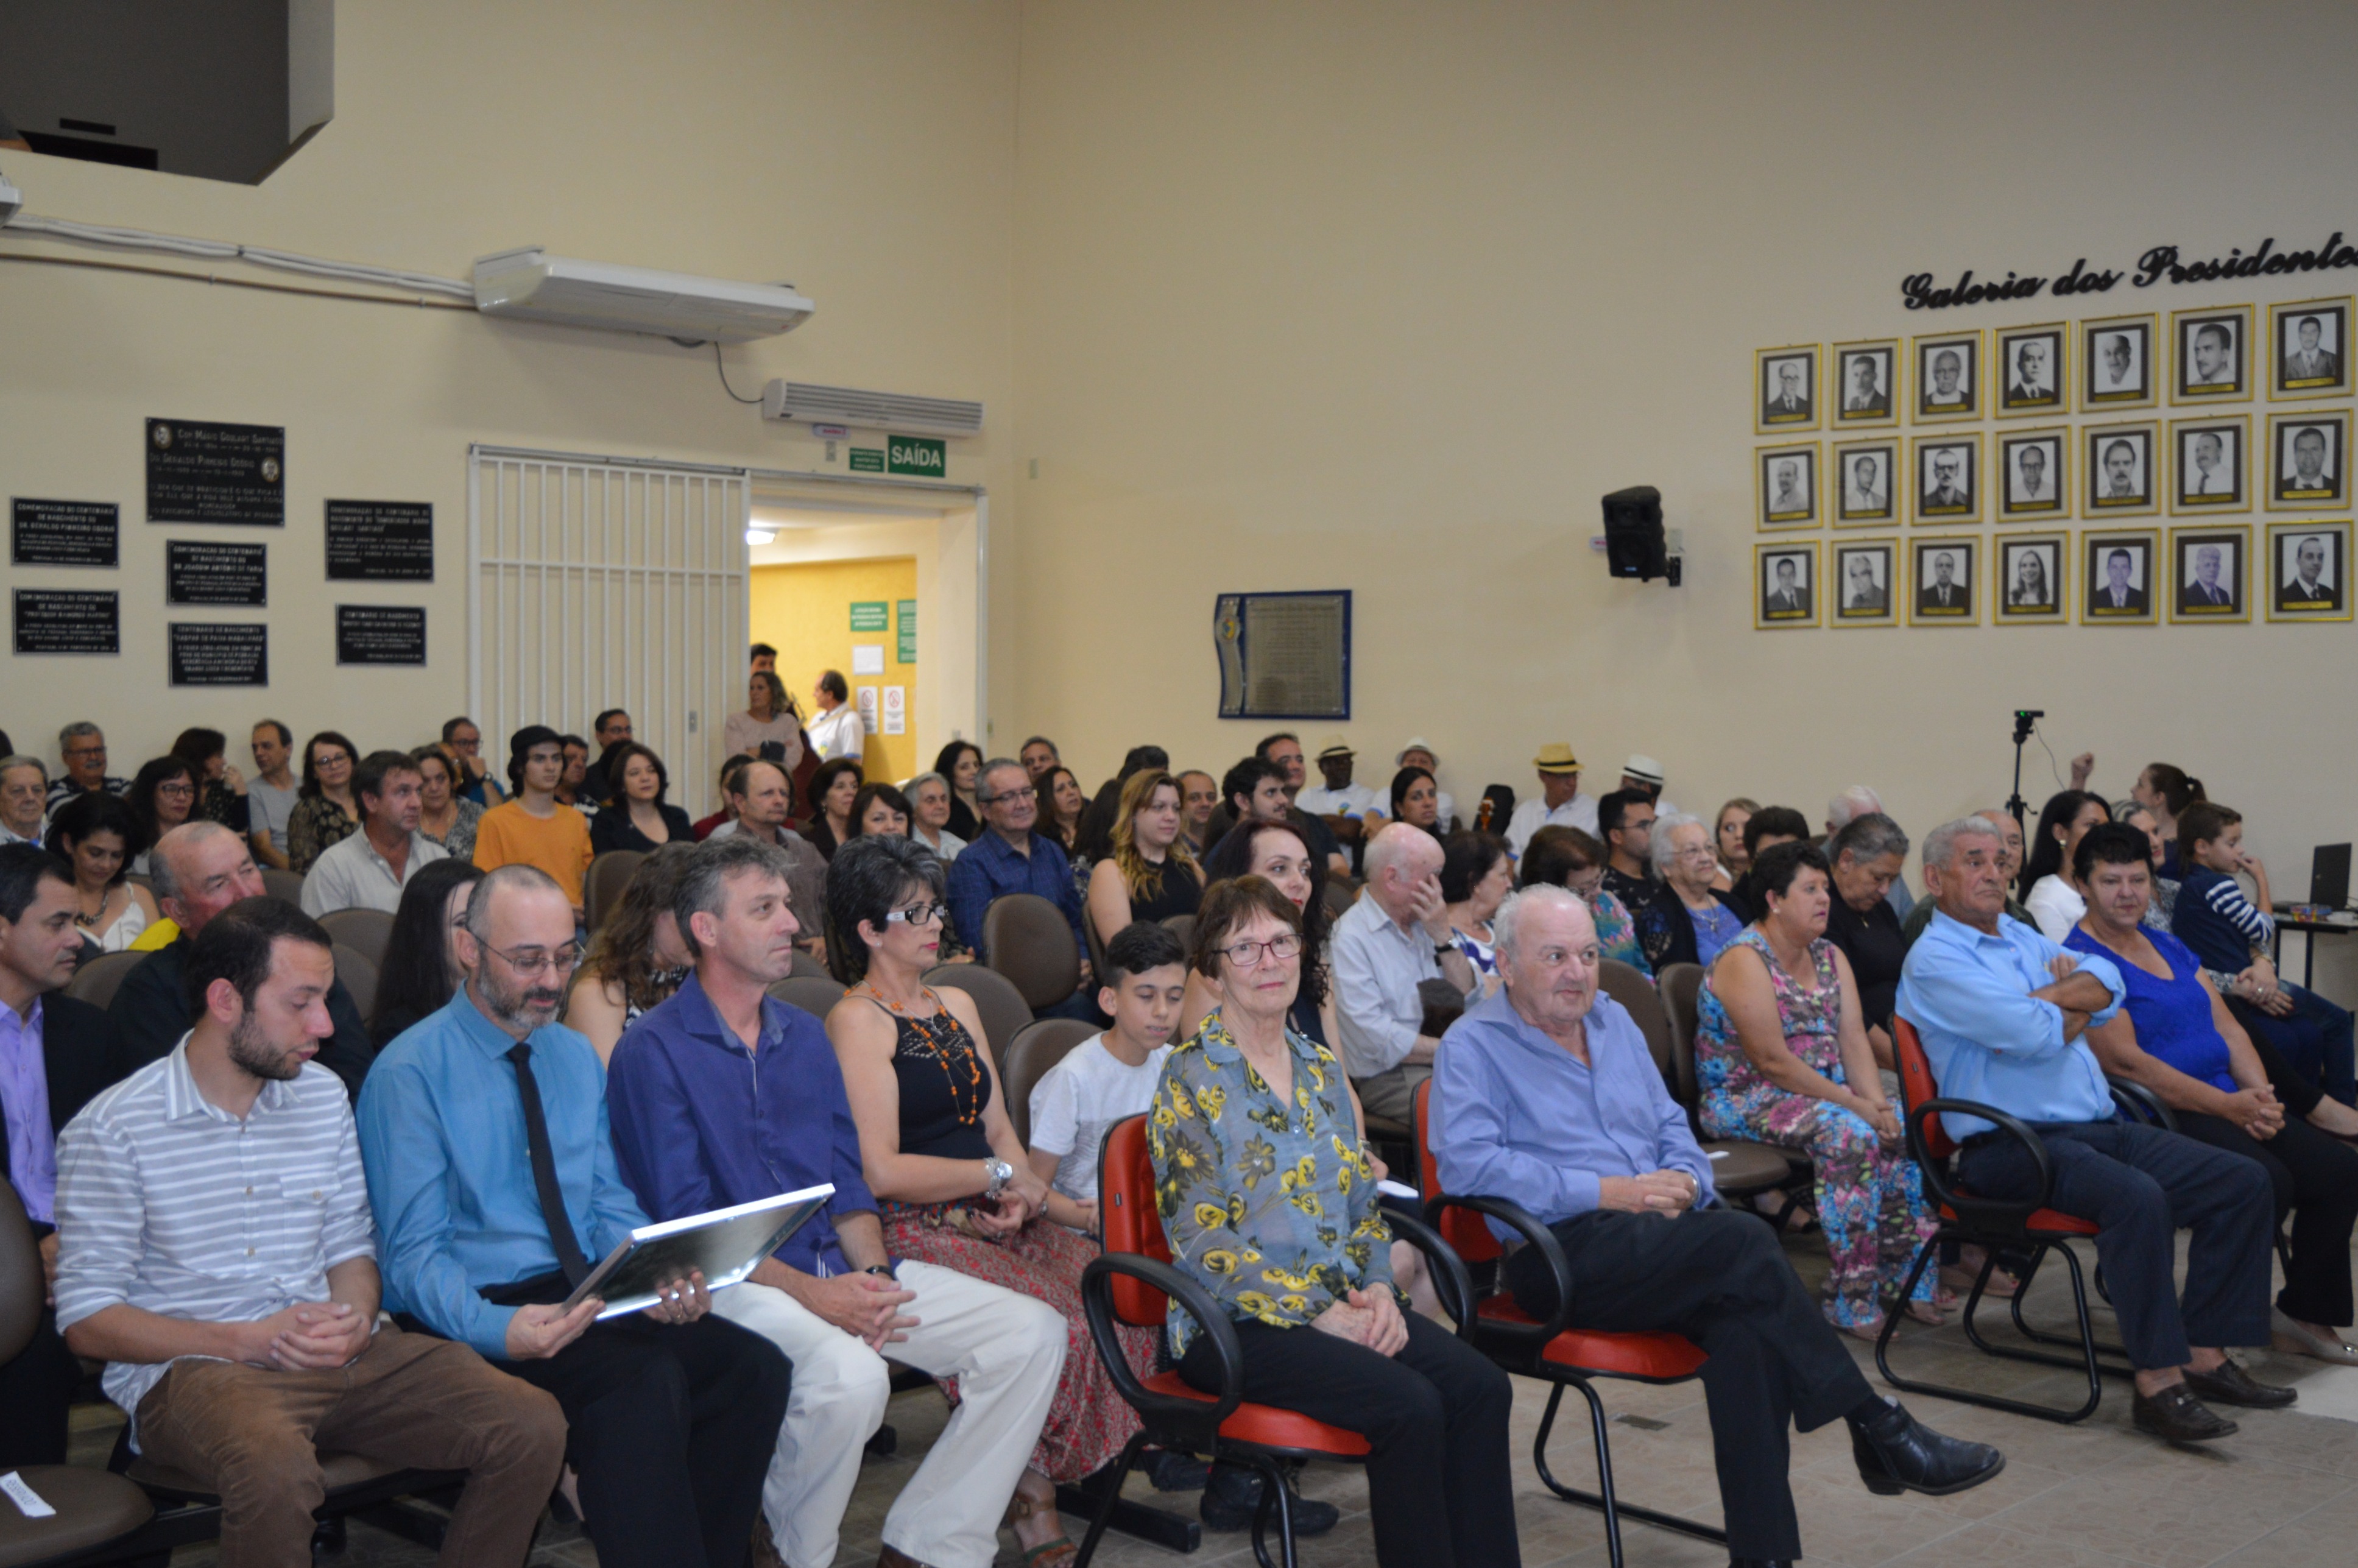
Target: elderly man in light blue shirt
2003, 1015
1545, 1094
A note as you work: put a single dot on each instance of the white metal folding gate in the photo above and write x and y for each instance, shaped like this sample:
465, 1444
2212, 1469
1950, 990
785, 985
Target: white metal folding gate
597, 583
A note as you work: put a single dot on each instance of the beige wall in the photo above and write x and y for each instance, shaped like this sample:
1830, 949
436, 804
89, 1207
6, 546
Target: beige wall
864, 153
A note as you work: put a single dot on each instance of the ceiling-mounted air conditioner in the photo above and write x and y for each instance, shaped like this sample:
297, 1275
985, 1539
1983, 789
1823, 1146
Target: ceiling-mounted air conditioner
529, 285
871, 410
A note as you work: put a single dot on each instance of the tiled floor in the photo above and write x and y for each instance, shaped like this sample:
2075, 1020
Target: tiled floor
2282, 1494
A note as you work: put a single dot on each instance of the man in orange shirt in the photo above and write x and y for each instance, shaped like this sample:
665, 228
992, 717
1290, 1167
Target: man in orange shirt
534, 829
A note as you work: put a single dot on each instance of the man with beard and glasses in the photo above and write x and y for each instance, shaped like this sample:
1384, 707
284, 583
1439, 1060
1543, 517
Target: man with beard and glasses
217, 1255
492, 1171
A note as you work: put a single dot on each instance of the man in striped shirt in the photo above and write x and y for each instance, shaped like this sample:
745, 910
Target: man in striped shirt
217, 1253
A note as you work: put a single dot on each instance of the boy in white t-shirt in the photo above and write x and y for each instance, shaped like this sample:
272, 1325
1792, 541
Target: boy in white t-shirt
1104, 1079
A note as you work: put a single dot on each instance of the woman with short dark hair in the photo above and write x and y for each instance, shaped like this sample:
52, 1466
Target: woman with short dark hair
1568, 857
1865, 859
162, 795
1477, 872
326, 811
832, 791
444, 815
636, 814
960, 761
96, 835
221, 786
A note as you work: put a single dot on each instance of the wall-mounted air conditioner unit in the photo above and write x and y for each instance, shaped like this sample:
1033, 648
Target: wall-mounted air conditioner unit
529, 285
871, 410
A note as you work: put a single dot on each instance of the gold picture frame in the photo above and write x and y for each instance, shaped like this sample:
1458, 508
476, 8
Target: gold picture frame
2033, 478
2030, 370
1879, 399
2210, 355
2135, 554
2210, 574
2293, 363
2113, 484
2211, 465
1874, 603
2120, 364
1786, 491
1939, 598
1772, 386
1878, 504
1774, 605
1945, 371
2041, 597
2287, 544
2289, 486
1932, 503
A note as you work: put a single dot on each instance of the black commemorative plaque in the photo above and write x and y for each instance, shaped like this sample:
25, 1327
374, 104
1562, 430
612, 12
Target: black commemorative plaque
216, 473
221, 652
63, 533
199, 572
67, 620
380, 634
379, 541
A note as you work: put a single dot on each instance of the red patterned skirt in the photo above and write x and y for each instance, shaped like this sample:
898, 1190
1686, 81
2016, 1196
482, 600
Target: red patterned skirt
1089, 1421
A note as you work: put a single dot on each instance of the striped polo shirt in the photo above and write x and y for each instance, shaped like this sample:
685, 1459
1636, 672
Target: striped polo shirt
169, 1203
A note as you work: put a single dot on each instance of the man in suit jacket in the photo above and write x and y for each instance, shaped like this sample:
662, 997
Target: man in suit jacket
1946, 494
2310, 588
1865, 397
2310, 362
1862, 593
2113, 595
56, 1054
1790, 402
1788, 598
2204, 593
1943, 595
2031, 381
1866, 499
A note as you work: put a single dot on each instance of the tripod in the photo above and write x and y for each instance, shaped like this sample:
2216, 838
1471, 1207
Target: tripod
2025, 721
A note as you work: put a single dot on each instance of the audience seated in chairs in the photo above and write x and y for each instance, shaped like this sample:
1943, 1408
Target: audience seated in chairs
201, 868
2229, 933
326, 811
953, 1184
930, 805
638, 956
2047, 887
759, 797
61, 1053
1728, 840
1546, 1095
1568, 857
1395, 937
1686, 919
533, 827
1249, 1095
635, 814
444, 816
1112, 1076
832, 790
370, 869
2009, 832
94, 833
162, 796
1782, 1057
1012, 857
724, 1095
469, 1118
234, 1367
2002, 1011
2176, 1036
960, 761
1477, 872
1147, 874
1863, 858
1624, 825
1765, 829
420, 968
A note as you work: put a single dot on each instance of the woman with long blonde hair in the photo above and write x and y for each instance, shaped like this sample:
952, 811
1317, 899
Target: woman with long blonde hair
1149, 875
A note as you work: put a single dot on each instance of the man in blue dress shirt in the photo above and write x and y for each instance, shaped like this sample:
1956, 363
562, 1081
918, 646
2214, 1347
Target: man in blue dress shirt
1009, 857
2003, 1013
725, 1095
1547, 1095
484, 1130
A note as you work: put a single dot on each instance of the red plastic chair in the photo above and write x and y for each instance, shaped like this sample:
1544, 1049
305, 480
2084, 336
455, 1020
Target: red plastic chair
1133, 1282
1549, 1350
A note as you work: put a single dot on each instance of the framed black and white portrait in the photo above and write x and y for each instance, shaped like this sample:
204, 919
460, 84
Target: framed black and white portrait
1785, 389
1866, 383
2117, 363
2212, 355
1865, 576
2308, 466
2120, 465
2032, 585
2308, 349
1786, 480
2210, 464
1945, 478
2117, 579
1948, 377
2032, 477
2307, 569
2031, 376
1942, 584
1785, 586
1868, 481
2207, 568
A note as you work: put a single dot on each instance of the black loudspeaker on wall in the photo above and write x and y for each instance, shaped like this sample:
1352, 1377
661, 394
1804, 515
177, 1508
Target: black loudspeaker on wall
1634, 546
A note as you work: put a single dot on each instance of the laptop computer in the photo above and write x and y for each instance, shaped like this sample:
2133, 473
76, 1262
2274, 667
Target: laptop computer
2329, 876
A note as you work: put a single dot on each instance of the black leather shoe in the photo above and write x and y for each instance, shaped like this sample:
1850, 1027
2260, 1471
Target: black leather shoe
1897, 1453
1760, 1563
2231, 1385
1233, 1495
2179, 1416
1173, 1471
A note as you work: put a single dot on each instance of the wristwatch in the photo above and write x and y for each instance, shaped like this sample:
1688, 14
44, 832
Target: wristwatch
1443, 949
1001, 1172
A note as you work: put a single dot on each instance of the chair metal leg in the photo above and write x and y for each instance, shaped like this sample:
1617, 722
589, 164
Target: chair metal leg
1606, 1501
1272, 1496
2041, 1336
2087, 1343
1112, 1498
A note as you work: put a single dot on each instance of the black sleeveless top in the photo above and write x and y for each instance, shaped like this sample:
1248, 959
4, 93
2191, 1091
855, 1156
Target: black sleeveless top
1178, 893
943, 1086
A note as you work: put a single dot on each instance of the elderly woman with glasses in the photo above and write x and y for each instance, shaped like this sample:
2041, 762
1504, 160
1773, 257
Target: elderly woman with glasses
952, 1179
1866, 856
1689, 919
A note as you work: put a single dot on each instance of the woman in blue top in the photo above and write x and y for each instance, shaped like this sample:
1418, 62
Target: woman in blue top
2175, 1036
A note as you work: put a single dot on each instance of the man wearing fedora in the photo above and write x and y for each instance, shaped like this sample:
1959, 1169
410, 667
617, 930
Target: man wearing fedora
1338, 796
1644, 774
1560, 803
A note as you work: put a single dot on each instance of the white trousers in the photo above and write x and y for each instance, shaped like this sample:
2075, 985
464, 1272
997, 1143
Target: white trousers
1006, 1351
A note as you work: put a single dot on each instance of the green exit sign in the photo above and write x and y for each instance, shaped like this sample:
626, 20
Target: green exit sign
871, 615
918, 455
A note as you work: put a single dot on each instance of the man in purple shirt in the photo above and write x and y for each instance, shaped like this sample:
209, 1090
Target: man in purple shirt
724, 1095
1545, 1094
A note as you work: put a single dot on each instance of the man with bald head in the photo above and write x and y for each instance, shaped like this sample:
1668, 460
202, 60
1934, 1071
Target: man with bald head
201, 869
762, 796
1396, 938
1545, 1094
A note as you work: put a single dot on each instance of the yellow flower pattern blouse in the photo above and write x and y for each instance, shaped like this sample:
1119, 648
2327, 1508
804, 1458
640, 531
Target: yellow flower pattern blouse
1269, 1206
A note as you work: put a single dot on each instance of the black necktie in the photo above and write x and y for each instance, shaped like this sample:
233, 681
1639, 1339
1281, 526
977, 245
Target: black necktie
543, 1171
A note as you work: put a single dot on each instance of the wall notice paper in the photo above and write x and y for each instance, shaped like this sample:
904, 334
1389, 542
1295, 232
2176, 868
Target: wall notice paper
379, 541
222, 653
896, 710
29, 1503
867, 699
67, 620
199, 572
904, 613
868, 659
216, 473
1283, 655
380, 634
62, 533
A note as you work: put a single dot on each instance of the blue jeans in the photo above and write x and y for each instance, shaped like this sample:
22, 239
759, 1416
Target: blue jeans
2315, 1037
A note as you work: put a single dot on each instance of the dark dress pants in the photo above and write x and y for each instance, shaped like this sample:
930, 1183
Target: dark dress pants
1721, 1279
37, 1388
672, 1427
1435, 1412
2315, 1179
2139, 1185
2316, 1038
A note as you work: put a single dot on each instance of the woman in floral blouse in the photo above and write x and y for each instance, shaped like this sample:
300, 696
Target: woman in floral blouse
1268, 1202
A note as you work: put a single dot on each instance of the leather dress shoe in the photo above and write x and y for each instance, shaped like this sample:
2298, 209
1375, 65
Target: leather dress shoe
1760, 1563
1897, 1453
2179, 1416
1232, 1496
2229, 1384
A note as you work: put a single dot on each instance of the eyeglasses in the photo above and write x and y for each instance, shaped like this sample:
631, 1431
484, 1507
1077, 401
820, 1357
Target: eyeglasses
85, 751
179, 786
329, 759
1247, 955
1695, 852
918, 913
1026, 793
533, 960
